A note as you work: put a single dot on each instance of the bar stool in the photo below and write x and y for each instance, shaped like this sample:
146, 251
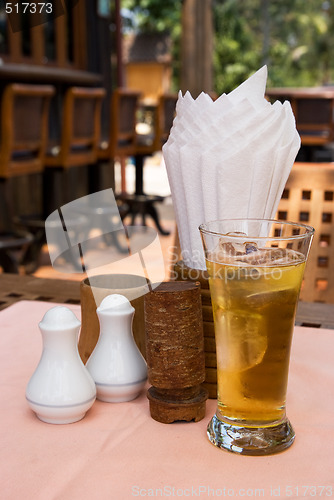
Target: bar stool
125, 141
24, 126
165, 117
77, 147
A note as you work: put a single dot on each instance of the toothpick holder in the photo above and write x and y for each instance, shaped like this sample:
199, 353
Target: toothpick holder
175, 352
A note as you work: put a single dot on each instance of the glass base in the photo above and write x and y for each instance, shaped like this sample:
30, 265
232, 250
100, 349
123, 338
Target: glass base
250, 440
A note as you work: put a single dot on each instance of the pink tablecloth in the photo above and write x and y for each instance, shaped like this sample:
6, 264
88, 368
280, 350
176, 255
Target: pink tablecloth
118, 452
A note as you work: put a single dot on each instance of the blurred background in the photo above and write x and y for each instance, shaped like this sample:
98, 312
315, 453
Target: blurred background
88, 91
294, 38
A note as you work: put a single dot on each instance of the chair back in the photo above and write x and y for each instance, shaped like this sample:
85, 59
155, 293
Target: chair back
124, 108
314, 119
309, 198
165, 117
81, 124
24, 128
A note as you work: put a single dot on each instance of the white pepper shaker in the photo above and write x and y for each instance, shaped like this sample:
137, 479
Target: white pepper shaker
116, 364
61, 389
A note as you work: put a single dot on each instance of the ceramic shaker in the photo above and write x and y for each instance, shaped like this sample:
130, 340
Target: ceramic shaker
116, 364
61, 390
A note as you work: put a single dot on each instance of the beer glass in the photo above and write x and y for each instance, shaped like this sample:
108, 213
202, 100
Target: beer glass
255, 272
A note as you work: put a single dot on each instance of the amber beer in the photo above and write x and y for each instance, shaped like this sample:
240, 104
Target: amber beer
254, 310
255, 270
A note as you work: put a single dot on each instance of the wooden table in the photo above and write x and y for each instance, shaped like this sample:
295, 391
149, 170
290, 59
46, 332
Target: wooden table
14, 288
117, 451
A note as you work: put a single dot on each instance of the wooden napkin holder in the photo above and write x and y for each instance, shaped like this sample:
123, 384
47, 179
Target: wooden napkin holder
93, 290
181, 272
175, 352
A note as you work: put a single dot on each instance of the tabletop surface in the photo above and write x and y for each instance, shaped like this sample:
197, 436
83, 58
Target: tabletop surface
14, 287
118, 452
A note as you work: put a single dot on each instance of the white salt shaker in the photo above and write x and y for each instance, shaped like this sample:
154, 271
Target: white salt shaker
116, 364
61, 390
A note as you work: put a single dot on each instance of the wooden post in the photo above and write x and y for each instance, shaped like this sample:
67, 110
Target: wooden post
197, 47
120, 77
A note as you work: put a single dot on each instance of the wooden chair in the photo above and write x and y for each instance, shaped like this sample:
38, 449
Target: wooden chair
77, 146
80, 134
123, 119
125, 141
24, 132
24, 128
309, 198
165, 117
314, 119
314, 113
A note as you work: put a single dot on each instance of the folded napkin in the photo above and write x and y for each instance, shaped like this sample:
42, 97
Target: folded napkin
228, 158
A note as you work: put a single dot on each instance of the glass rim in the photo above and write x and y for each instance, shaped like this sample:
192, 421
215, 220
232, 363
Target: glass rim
309, 230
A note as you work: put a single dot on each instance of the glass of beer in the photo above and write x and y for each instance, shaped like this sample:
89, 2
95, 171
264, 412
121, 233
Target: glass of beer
255, 269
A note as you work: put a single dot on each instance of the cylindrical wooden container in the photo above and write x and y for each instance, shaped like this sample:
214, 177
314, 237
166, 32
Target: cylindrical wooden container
175, 352
93, 290
181, 272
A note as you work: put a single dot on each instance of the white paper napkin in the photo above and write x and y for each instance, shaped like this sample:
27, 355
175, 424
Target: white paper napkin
228, 158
